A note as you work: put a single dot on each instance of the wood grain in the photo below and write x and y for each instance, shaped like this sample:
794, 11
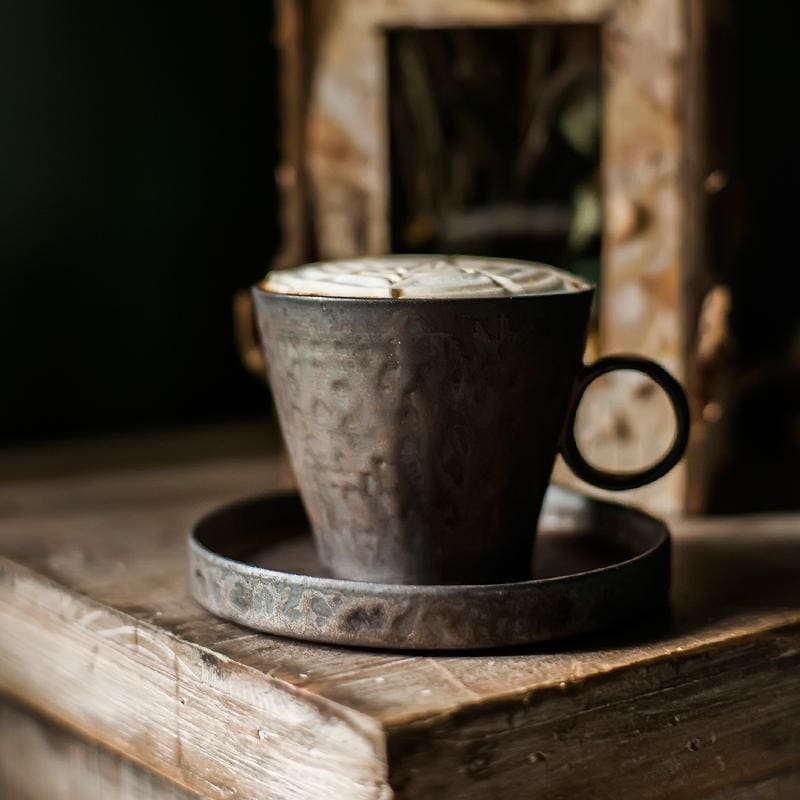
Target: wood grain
97, 632
41, 761
680, 730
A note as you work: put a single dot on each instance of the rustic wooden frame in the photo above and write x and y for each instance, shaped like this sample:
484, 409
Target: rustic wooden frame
338, 156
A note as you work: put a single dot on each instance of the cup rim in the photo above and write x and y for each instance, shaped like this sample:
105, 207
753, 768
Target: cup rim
584, 287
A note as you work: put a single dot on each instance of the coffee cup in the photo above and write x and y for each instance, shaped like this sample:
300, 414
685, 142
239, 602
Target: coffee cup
423, 400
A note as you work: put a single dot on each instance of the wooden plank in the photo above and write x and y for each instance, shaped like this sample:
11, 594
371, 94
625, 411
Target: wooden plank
41, 761
706, 723
119, 678
773, 787
215, 727
139, 570
97, 631
645, 262
291, 38
92, 456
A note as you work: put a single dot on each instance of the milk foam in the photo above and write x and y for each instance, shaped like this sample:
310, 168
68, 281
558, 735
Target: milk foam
422, 277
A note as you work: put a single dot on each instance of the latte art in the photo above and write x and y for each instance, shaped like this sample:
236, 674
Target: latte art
422, 277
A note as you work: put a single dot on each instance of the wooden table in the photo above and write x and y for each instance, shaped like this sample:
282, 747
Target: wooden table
119, 685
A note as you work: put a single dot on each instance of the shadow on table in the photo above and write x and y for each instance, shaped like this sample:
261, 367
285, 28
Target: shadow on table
716, 577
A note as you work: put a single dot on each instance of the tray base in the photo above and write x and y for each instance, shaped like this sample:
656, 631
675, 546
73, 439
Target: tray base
596, 564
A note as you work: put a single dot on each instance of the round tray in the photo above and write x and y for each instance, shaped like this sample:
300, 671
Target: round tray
596, 564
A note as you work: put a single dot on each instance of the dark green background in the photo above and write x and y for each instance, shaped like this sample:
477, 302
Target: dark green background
137, 148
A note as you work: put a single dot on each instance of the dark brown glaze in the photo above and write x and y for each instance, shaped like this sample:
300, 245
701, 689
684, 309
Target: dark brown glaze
423, 432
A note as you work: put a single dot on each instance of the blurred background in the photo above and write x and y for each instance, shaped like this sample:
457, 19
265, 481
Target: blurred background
138, 149
137, 153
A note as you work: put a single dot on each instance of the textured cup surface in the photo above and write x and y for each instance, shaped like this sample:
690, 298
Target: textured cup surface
423, 432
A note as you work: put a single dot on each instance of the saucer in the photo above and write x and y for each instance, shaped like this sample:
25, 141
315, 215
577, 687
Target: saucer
596, 565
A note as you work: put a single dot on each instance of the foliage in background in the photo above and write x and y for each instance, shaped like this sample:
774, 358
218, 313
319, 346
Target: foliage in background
496, 141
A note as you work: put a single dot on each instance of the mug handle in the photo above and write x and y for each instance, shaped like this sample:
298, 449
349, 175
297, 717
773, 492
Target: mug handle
617, 481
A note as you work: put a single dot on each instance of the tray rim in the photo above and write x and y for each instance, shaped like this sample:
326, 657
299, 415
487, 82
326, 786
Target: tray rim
413, 589
513, 599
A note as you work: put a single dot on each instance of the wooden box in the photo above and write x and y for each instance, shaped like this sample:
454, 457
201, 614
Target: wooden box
142, 693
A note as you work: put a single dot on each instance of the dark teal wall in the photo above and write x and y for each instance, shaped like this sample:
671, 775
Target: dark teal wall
136, 194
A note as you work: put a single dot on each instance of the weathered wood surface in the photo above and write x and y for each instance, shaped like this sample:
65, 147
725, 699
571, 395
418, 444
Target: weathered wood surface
96, 631
39, 760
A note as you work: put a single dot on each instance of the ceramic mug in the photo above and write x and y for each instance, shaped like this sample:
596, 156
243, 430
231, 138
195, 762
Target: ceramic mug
423, 431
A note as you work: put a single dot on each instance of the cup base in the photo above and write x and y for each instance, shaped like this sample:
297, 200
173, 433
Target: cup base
329, 569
